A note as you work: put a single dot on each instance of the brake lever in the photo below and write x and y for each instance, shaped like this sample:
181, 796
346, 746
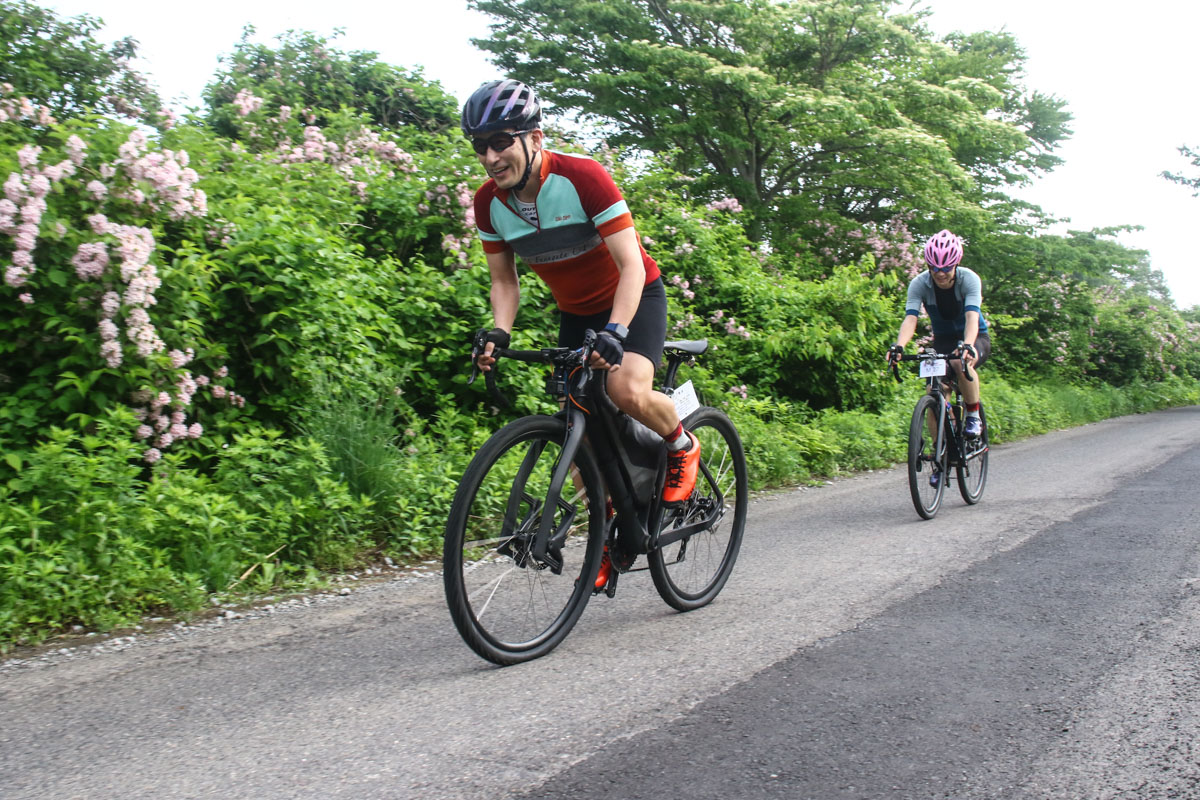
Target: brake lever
477, 345
966, 370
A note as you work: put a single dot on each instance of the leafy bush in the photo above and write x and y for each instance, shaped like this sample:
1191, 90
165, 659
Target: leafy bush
76, 537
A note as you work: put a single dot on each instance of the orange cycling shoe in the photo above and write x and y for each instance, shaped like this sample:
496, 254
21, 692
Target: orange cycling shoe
605, 561
682, 466
605, 570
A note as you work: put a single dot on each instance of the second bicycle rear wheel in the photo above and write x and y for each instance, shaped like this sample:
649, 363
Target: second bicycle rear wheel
691, 572
509, 605
972, 475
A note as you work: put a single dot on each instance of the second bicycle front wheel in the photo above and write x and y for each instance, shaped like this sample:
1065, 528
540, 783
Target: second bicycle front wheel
691, 572
927, 473
509, 605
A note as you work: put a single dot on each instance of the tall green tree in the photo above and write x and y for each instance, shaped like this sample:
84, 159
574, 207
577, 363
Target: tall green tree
1192, 182
798, 109
306, 73
61, 65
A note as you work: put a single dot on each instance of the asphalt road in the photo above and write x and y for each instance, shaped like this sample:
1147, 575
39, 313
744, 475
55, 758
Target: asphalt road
1043, 643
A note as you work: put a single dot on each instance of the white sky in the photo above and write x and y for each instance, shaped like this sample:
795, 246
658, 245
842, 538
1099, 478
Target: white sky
1128, 72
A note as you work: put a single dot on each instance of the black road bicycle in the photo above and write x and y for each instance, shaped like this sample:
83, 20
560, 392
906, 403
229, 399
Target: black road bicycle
936, 441
529, 523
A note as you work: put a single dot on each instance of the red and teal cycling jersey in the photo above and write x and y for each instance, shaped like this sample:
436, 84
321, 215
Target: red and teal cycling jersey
577, 205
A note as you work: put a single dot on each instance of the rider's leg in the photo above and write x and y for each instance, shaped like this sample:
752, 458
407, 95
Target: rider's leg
632, 390
969, 388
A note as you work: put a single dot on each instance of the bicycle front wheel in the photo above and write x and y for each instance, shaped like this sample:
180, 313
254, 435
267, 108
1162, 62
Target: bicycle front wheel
691, 572
927, 473
508, 605
972, 474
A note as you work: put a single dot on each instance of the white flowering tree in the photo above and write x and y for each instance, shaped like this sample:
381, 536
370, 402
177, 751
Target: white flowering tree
80, 220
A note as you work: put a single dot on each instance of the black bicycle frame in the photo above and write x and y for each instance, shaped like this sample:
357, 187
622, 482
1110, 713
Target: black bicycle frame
640, 528
934, 387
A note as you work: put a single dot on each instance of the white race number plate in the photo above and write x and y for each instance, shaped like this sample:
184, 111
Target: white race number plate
685, 399
934, 367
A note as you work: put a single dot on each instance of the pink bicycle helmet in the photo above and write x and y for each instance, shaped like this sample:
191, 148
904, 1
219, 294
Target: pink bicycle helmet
943, 249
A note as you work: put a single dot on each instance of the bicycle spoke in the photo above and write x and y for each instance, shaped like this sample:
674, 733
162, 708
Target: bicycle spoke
507, 605
690, 572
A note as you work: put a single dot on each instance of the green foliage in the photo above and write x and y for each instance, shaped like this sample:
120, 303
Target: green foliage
795, 108
406, 467
1193, 181
1080, 305
87, 537
59, 64
786, 445
289, 485
75, 538
312, 79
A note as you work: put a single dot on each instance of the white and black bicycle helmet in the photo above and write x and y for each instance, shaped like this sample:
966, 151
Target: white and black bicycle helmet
501, 105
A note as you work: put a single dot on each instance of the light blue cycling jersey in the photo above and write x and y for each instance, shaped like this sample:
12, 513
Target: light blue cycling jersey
967, 288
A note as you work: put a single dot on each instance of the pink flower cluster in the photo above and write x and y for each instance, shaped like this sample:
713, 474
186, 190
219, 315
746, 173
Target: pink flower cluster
457, 246
892, 245
731, 324
685, 322
247, 103
741, 391
22, 109
22, 209
729, 204
366, 155
161, 180
119, 259
163, 416
685, 286
458, 204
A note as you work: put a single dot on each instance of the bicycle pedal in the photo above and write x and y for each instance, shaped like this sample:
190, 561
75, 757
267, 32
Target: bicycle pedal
610, 588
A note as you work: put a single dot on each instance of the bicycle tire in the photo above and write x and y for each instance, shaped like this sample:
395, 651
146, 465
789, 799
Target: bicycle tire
972, 475
508, 607
923, 461
690, 573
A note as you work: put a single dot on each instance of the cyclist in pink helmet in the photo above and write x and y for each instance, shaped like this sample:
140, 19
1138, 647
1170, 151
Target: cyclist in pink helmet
943, 250
953, 297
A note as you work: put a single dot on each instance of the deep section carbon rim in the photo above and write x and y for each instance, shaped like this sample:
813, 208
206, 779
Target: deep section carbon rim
927, 473
509, 605
690, 573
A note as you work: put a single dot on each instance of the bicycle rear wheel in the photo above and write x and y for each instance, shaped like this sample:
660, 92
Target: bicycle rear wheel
972, 475
927, 472
508, 606
691, 572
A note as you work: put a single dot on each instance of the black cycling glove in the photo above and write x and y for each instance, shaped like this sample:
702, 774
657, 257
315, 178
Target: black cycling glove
497, 336
609, 347
969, 349
894, 353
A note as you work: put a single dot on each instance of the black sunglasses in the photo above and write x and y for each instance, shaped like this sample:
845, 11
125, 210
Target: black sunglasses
497, 141
941, 269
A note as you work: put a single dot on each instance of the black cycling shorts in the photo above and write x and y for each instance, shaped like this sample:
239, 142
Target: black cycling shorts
647, 331
983, 346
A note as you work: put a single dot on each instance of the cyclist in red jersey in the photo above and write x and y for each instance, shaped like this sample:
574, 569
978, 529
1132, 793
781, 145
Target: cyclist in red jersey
566, 219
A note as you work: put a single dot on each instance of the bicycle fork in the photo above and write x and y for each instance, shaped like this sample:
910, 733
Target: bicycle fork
549, 539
